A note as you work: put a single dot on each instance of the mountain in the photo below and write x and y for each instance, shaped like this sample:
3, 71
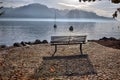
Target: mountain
30, 11
41, 11
84, 14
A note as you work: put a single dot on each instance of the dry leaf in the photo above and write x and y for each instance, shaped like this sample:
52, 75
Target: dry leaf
52, 69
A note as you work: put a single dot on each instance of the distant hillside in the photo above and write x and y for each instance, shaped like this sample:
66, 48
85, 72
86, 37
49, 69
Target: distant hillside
30, 11
42, 11
84, 14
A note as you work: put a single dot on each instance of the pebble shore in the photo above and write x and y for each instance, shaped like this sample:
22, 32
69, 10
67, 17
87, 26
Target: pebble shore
20, 63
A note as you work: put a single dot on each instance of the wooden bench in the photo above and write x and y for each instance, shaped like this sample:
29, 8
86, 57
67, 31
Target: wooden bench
68, 40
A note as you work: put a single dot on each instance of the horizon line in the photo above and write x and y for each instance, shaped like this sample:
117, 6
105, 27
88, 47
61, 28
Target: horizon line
59, 19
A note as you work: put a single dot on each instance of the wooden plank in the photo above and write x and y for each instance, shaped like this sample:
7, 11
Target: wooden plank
68, 39
60, 38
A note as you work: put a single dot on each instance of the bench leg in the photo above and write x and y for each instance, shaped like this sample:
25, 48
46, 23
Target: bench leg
55, 50
81, 49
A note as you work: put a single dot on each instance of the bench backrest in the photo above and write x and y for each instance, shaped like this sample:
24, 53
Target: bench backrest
68, 39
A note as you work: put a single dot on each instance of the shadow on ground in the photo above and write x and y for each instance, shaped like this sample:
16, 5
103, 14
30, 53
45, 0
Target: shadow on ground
75, 65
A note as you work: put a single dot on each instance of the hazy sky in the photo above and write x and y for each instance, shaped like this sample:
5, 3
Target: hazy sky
103, 8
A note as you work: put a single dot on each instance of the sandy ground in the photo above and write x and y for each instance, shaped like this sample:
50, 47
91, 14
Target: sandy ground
20, 63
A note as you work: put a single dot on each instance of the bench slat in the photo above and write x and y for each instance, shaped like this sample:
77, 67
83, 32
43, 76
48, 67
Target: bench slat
68, 39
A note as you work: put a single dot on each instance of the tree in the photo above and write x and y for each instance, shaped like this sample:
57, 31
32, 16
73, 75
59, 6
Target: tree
115, 14
1, 12
113, 1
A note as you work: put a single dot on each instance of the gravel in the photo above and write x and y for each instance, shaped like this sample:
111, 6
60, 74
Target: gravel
28, 63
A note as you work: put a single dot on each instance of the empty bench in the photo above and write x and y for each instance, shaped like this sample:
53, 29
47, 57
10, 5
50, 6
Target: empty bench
68, 40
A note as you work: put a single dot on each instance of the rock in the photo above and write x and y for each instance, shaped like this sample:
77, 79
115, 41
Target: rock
37, 41
23, 43
3, 46
44, 41
30, 43
104, 38
17, 45
112, 38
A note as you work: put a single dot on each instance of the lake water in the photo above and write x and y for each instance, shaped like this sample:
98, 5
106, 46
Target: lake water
17, 30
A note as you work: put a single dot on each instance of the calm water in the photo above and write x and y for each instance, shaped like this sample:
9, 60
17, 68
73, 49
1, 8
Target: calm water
29, 30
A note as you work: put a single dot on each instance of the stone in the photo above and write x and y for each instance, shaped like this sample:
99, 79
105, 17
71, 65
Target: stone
23, 43
3, 46
30, 43
37, 41
112, 38
44, 41
17, 45
104, 38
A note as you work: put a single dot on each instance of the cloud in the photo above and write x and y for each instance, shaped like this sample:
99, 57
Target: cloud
72, 6
68, 5
104, 8
15, 3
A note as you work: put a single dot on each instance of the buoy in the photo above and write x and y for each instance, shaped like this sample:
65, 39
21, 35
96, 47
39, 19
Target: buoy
55, 26
71, 28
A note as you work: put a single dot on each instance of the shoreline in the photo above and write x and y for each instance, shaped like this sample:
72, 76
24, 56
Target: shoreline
108, 42
22, 43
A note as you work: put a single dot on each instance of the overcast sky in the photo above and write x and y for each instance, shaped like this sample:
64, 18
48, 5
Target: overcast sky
103, 8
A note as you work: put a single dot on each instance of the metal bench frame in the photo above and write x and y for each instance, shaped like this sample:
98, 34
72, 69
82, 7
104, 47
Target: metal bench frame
69, 41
